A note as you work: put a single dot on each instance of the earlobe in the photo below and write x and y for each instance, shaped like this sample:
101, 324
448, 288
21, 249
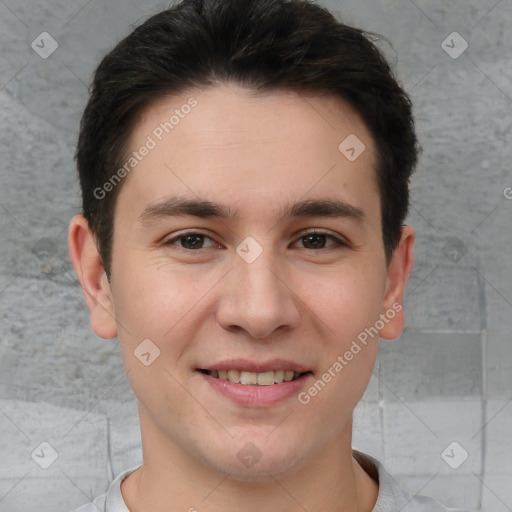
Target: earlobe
91, 274
399, 269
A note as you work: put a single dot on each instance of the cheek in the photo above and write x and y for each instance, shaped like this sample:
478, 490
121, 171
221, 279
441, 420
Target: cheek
151, 309
157, 303
346, 301
348, 305
153, 302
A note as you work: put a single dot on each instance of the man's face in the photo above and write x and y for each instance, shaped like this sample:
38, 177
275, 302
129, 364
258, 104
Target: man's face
254, 290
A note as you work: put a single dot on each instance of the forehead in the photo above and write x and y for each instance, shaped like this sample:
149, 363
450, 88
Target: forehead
228, 144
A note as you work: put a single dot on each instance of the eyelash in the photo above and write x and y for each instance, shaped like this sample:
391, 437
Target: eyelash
338, 242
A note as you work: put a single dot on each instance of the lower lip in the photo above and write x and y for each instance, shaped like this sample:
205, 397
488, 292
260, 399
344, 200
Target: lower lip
256, 396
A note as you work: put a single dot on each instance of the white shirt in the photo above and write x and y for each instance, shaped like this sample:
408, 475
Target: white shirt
391, 498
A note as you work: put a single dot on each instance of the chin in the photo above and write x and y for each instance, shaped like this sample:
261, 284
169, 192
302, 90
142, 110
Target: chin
252, 464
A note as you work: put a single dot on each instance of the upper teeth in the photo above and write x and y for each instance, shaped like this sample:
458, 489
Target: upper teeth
252, 378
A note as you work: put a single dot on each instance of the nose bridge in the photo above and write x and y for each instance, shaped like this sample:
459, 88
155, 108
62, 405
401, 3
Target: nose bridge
256, 276
258, 300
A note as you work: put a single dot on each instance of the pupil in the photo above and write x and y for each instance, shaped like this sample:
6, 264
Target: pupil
316, 239
192, 241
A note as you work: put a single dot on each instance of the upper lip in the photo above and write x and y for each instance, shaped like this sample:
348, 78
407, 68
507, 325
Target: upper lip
248, 365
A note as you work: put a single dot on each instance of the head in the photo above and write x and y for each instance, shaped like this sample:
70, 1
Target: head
217, 136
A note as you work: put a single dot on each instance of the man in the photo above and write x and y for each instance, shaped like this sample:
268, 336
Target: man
244, 170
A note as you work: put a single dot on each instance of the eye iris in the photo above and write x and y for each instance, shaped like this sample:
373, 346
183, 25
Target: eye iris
191, 241
315, 239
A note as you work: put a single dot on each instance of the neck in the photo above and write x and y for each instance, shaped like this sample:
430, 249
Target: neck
171, 480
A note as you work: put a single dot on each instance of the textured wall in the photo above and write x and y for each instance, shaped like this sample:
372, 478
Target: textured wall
447, 380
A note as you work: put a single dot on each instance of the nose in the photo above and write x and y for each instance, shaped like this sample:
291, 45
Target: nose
258, 298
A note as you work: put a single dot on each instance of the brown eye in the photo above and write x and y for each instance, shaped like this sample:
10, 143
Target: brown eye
191, 241
314, 241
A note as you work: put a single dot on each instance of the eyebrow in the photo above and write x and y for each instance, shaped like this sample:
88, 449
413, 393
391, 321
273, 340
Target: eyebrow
176, 206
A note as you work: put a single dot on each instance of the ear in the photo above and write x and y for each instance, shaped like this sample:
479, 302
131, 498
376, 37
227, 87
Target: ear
91, 273
398, 271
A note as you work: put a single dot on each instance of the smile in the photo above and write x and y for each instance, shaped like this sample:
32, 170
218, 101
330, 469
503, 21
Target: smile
248, 378
251, 383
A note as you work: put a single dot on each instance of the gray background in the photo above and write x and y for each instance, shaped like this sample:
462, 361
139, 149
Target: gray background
447, 379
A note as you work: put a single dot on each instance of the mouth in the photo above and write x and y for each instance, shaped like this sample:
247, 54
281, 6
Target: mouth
256, 384
248, 378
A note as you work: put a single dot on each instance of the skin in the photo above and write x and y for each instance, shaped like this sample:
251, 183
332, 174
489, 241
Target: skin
302, 299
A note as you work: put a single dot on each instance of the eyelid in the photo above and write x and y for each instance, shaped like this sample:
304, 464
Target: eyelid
339, 239
175, 237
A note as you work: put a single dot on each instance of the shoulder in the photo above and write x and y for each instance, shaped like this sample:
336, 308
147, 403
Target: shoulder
392, 497
98, 505
112, 501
